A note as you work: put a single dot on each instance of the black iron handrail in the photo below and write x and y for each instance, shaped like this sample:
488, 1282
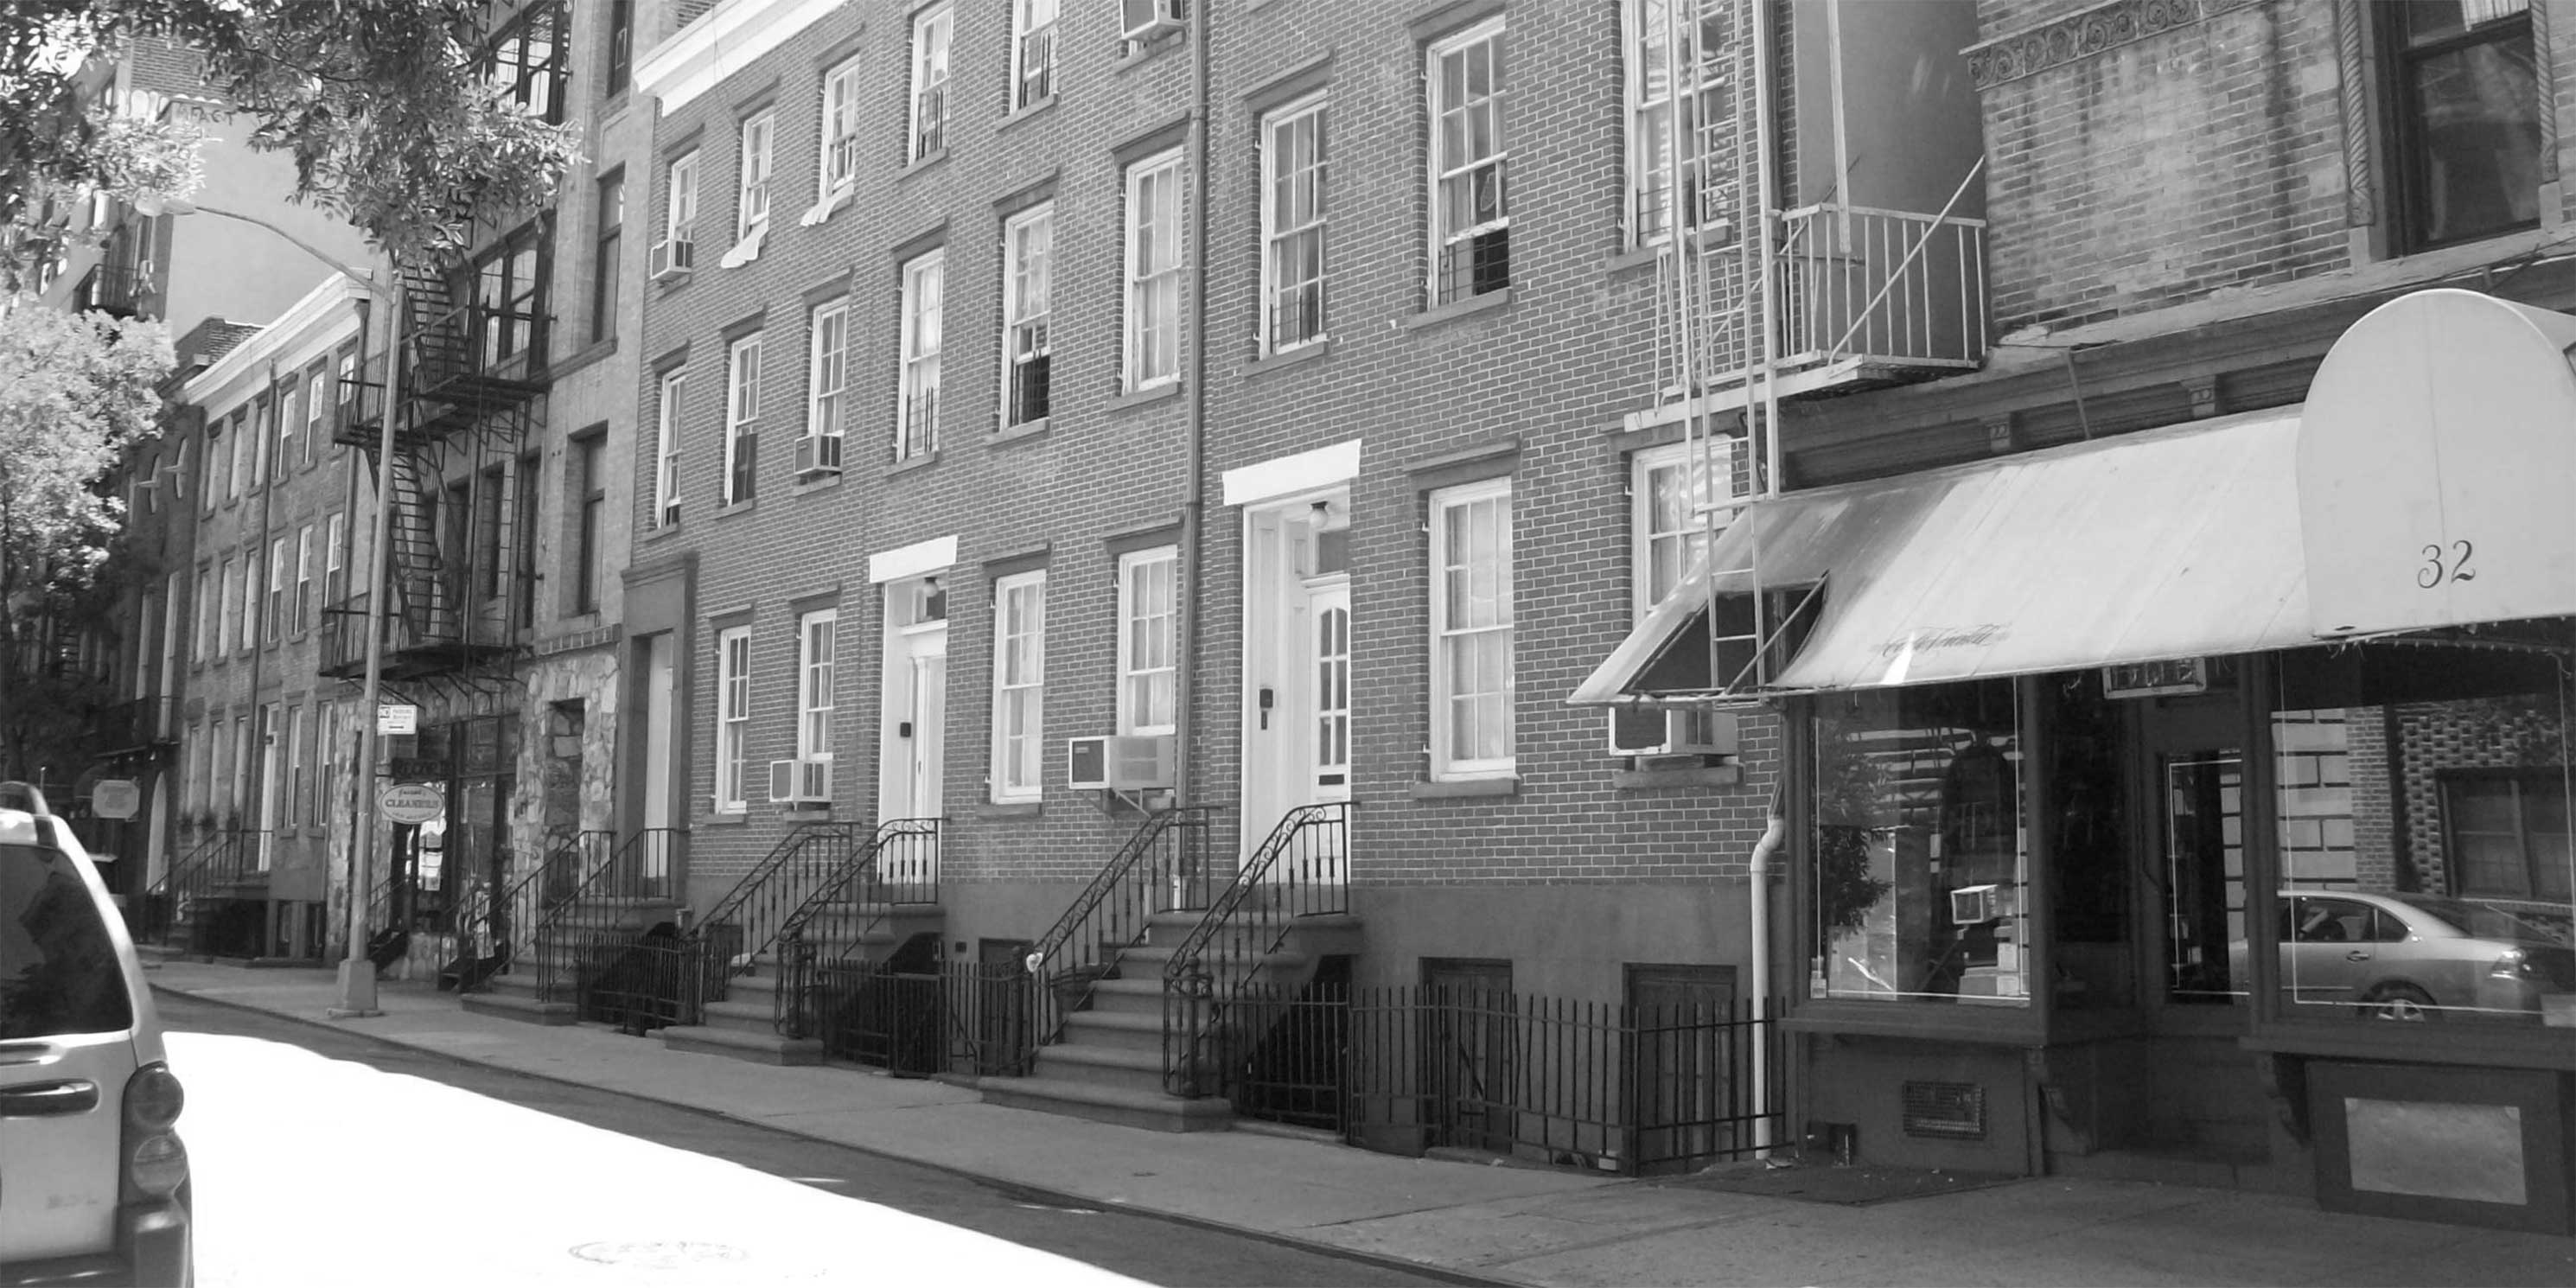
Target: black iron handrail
219, 858
1162, 867
898, 863
1301, 870
645, 866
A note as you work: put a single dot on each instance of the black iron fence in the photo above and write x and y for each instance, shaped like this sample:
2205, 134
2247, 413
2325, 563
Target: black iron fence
1301, 870
946, 1017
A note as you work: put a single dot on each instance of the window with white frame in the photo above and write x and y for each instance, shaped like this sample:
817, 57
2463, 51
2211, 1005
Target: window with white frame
839, 165
298, 799
1028, 249
316, 410
666, 454
1651, 29
1019, 686
733, 718
273, 622
930, 36
250, 599
680, 208
827, 378
751, 211
335, 569
1292, 225
1670, 528
1471, 631
1470, 214
285, 421
814, 637
327, 765
1148, 639
302, 611
1033, 24
917, 431
246, 442
742, 420
1152, 335
201, 640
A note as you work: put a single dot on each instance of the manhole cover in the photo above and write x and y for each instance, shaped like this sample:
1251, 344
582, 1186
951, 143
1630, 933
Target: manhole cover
657, 1254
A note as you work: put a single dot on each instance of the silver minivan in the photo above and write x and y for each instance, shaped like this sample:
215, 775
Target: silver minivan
93, 1178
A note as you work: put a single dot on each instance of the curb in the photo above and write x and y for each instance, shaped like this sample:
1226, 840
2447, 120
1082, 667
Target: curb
1019, 1191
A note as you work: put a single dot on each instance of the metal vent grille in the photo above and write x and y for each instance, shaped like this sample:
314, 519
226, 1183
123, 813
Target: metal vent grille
1951, 1110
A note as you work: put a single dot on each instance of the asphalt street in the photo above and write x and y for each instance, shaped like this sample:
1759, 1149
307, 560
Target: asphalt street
438, 1194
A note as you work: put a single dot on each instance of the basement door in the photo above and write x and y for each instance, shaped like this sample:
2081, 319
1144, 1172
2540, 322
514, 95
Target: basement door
1297, 719
913, 742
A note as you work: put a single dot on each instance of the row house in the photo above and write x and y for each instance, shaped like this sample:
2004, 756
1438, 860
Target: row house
1133, 487
2177, 705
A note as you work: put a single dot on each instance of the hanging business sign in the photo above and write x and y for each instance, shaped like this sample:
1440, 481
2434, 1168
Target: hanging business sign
394, 719
411, 803
2160, 678
115, 798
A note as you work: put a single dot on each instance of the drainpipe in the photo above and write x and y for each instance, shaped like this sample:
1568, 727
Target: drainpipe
259, 559
1758, 878
1194, 454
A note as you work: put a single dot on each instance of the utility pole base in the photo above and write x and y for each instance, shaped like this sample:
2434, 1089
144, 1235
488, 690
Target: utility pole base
357, 991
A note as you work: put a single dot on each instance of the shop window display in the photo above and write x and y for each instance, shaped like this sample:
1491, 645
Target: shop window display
2422, 793
1921, 846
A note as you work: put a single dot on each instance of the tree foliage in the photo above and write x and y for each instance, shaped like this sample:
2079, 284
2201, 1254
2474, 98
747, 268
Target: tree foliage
75, 390
389, 109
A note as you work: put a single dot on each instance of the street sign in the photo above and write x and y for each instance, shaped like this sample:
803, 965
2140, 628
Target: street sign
115, 798
411, 802
397, 718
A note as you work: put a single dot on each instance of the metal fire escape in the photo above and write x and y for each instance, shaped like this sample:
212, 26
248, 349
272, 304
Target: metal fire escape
1757, 301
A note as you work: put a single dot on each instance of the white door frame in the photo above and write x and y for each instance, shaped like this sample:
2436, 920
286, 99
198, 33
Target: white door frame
1280, 588
912, 736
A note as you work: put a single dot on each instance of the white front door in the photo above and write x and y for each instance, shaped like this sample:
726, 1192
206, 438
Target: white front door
916, 699
1297, 718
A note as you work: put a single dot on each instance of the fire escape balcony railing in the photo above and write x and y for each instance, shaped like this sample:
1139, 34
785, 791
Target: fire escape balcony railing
1888, 292
450, 631
118, 290
140, 725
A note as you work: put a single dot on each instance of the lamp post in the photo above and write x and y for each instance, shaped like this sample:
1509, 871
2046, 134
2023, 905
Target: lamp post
357, 985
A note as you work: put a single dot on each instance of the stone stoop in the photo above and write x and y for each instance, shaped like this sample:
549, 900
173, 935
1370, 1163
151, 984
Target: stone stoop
512, 994
745, 1024
1108, 1063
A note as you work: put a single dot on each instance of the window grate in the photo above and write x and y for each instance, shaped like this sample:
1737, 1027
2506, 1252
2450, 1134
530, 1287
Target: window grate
1947, 1110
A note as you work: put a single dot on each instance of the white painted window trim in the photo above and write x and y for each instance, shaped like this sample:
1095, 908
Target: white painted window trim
1028, 250
1446, 763
680, 213
1273, 236
839, 144
828, 371
1141, 367
924, 282
742, 415
751, 209
1440, 166
816, 634
1023, 684
933, 46
733, 719
1026, 30
666, 467
1160, 614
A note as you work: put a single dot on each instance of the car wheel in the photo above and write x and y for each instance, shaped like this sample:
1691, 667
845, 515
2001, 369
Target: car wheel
2398, 1002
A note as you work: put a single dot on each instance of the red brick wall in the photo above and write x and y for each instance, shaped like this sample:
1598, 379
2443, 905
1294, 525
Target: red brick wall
2152, 173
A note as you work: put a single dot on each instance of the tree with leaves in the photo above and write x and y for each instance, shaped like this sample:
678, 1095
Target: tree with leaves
75, 390
394, 117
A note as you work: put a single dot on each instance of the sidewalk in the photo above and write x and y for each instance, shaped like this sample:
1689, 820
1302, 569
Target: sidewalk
1512, 1224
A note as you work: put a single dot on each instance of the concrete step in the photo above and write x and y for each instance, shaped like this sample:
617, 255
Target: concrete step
738, 1014
763, 1047
1103, 1066
1149, 961
1152, 1110
1115, 1030
1128, 995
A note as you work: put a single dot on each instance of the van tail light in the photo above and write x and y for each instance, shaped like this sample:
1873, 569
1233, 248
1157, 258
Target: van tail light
156, 1164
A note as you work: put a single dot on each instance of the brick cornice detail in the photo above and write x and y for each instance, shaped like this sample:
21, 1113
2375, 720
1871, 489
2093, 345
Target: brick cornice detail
2079, 36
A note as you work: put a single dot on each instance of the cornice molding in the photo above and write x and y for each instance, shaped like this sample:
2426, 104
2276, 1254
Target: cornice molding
2079, 36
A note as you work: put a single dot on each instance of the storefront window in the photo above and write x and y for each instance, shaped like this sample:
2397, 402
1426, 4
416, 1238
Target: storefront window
2423, 793
1920, 852
2088, 828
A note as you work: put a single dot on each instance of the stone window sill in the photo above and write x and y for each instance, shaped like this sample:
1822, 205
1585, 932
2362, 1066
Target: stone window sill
1466, 789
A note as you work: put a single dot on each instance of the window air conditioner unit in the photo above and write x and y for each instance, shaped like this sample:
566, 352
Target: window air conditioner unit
673, 257
800, 782
1978, 904
1118, 762
1658, 731
818, 454
1145, 19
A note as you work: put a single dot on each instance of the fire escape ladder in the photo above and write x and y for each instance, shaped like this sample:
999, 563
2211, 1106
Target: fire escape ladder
1220, 991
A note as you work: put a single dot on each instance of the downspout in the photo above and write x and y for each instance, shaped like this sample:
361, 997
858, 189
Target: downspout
1194, 454
1758, 905
260, 560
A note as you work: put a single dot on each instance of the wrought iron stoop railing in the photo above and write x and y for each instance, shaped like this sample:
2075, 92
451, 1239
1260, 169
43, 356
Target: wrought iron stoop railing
1215, 989
1163, 867
175, 902
587, 915
899, 864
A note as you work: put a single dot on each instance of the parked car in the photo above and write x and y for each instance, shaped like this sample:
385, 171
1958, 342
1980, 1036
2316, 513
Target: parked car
2410, 956
93, 1178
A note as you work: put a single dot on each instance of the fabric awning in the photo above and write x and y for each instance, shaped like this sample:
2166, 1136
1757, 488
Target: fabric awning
2176, 542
